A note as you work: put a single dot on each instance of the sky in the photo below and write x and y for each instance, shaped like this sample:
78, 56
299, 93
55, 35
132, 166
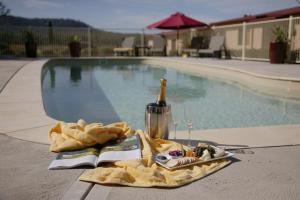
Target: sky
136, 14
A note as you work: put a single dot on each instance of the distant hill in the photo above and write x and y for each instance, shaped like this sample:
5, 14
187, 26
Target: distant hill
102, 41
22, 21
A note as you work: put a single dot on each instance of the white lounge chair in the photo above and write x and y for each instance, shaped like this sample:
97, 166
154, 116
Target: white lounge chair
127, 47
196, 44
159, 46
216, 45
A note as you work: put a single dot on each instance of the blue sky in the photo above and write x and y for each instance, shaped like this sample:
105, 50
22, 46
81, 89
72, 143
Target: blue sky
140, 13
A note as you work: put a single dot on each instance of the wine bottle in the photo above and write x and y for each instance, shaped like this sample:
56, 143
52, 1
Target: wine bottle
161, 99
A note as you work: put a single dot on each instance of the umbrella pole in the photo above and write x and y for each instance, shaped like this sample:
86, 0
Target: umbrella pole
177, 43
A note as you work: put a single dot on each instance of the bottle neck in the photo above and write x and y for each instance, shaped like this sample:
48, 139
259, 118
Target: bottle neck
161, 99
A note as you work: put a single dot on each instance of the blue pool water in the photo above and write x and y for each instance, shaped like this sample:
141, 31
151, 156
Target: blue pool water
109, 91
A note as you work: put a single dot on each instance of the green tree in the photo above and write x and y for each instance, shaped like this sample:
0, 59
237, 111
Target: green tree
3, 10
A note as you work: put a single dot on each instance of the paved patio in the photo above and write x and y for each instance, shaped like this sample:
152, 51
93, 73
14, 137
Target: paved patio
24, 174
23, 163
256, 173
8, 69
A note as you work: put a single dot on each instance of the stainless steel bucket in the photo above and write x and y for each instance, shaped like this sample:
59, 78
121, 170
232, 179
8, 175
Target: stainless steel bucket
157, 120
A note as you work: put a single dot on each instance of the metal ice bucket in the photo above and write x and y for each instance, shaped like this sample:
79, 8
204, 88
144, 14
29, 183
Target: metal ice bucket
157, 120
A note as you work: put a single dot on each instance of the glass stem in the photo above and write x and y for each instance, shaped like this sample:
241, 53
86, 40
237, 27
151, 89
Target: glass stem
189, 132
175, 128
189, 139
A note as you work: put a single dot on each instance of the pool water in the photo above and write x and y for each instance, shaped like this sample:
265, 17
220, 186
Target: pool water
109, 91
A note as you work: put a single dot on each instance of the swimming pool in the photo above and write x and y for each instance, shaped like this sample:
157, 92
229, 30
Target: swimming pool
113, 90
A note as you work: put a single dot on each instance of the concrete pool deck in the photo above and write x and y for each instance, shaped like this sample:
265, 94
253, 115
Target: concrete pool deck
23, 117
256, 68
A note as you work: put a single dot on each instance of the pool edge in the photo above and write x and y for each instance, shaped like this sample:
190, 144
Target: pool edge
39, 122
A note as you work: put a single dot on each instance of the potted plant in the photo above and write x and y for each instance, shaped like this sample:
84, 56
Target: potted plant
30, 45
277, 49
74, 46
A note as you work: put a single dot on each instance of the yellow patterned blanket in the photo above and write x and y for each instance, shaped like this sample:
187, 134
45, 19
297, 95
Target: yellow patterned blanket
137, 173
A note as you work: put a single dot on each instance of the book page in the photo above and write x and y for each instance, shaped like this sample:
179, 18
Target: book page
121, 149
69, 159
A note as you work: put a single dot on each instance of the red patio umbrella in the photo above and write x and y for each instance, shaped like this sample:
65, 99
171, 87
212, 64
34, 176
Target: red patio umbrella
176, 21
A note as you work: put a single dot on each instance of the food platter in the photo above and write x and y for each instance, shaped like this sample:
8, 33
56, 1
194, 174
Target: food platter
198, 162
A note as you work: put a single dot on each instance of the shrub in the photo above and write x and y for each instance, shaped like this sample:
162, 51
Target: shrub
280, 35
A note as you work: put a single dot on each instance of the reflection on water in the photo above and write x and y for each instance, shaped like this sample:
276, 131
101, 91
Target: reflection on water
75, 73
127, 72
68, 101
113, 91
157, 74
52, 77
179, 92
182, 94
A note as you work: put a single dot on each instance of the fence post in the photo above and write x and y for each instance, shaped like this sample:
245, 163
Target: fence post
244, 41
89, 42
290, 27
143, 41
192, 33
289, 51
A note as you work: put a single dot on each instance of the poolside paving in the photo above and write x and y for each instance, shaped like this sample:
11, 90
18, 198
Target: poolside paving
8, 68
259, 173
23, 164
24, 173
262, 173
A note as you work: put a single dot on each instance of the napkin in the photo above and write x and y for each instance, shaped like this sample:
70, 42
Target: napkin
74, 136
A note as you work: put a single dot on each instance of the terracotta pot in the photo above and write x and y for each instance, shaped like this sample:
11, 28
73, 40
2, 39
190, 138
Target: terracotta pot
75, 49
277, 52
31, 49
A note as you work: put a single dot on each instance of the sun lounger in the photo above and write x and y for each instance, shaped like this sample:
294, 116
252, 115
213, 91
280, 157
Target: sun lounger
216, 45
127, 47
196, 44
158, 47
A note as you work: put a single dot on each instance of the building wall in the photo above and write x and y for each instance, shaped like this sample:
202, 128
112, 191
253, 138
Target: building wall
258, 36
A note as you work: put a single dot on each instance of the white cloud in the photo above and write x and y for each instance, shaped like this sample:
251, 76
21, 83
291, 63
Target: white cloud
243, 6
140, 13
220, 10
216, 10
40, 4
145, 2
128, 21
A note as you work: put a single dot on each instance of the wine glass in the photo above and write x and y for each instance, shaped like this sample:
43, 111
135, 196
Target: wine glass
175, 118
188, 119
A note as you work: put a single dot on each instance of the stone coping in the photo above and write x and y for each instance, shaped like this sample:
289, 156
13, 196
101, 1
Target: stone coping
286, 72
23, 116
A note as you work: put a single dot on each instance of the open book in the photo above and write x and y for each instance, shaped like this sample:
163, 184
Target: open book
126, 148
